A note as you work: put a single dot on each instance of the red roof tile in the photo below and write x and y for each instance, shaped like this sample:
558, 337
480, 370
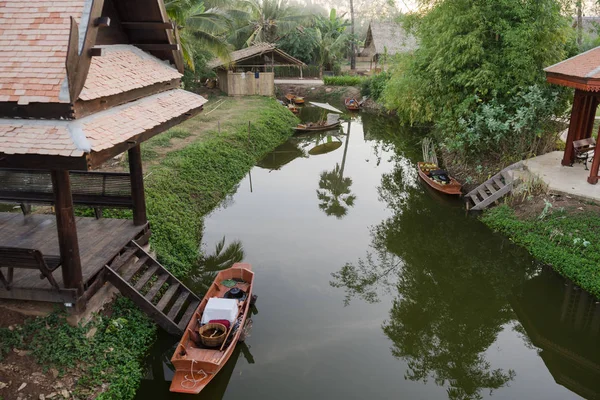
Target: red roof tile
98, 131
581, 72
122, 68
33, 47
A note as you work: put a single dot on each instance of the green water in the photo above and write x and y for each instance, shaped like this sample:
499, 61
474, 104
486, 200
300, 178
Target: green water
371, 285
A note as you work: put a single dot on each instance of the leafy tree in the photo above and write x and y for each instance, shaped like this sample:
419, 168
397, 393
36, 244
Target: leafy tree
474, 53
200, 26
331, 40
301, 45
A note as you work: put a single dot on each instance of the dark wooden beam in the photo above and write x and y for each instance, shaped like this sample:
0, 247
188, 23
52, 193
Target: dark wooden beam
148, 25
37, 294
96, 159
68, 242
96, 52
137, 186
37, 161
158, 46
84, 108
36, 110
102, 22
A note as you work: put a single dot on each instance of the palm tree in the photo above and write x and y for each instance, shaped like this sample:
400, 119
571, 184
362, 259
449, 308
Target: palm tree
201, 26
268, 21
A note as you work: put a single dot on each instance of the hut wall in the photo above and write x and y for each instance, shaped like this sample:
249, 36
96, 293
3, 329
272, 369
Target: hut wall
245, 84
369, 51
223, 80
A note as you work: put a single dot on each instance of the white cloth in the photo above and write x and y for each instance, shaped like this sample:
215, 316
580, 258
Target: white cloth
218, 308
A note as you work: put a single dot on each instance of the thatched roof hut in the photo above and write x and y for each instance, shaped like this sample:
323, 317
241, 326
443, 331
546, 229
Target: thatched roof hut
387, 37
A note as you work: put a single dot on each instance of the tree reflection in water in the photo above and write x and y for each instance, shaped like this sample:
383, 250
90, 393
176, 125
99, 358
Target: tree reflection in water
451, 281
209, 265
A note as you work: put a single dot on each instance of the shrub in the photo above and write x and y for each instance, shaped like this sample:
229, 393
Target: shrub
373, 87
564, 241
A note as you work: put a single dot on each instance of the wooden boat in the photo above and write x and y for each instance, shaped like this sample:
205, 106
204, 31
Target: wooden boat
293, 108
195, 364
352, 104
298, 100
452, 187
290, 97
317, 127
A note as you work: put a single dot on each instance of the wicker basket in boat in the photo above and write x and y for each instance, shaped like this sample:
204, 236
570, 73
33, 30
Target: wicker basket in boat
207, 331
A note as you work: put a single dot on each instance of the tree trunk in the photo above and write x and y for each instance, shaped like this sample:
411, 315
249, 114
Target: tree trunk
353, 46
579, 23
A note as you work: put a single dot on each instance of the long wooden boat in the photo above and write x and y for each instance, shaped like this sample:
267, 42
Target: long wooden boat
316, 127
293, 108
352, 104
298, 100
452, 187
195, 364
290, 97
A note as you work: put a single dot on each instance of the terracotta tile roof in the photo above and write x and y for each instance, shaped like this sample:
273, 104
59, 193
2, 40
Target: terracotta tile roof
122, 68
97, 132
34, 35
581, 72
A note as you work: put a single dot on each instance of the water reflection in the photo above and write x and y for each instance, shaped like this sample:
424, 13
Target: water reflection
210, 264
564, 328
334, 194
282, 155
450, 287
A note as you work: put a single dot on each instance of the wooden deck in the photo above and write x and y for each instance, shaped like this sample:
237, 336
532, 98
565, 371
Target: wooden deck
100, 240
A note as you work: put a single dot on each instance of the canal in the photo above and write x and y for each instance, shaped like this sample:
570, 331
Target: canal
372, 286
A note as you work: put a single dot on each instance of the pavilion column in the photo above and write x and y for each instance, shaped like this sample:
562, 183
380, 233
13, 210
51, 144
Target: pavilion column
137, 186
581, 116
67, 231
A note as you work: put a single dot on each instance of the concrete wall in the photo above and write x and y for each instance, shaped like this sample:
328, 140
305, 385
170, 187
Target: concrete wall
240, 84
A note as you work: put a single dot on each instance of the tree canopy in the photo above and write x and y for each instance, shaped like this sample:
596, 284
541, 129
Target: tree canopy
475, 54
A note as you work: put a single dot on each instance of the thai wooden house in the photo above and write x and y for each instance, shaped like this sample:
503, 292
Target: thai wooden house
82, 81
582, 73
386, 39
251, 71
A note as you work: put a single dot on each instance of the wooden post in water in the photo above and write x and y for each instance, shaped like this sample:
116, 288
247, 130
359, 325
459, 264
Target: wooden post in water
136, 177
67, 231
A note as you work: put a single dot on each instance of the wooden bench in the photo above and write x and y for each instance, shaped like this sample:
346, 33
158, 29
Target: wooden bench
13, 257
584, 150
90, 189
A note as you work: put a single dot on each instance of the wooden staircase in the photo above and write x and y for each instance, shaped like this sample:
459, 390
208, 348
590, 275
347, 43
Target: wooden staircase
493, 189
152, 288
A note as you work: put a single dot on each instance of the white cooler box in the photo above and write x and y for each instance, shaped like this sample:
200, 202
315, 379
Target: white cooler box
218, 308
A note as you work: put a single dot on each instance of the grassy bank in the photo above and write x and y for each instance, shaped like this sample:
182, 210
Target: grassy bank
189, 171
564, 237
190, 182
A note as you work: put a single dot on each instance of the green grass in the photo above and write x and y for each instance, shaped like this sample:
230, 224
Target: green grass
343, 80
189, 183
112, 355
566, 241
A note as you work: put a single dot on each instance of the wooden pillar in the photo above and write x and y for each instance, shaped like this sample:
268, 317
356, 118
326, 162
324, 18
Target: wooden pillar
67, 231
137, 186
578, 117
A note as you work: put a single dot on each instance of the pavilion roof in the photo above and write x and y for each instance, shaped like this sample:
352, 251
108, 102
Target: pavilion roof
97, 132
389, 37
34, 36
579, 72
122, 68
